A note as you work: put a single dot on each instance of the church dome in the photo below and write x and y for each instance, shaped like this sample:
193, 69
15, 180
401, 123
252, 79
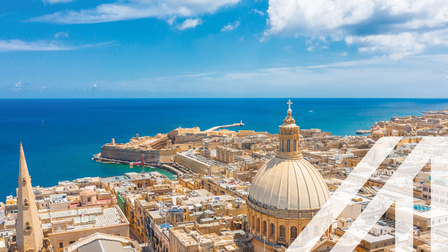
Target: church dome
288, 182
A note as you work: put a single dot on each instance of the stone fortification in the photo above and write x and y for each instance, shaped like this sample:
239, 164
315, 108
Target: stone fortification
192, 164
134, 155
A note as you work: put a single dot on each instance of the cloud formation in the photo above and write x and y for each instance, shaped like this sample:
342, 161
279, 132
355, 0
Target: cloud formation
19, 45
258, 12
190, 23
135, 9
43, 45
372, 25
231, 26
61, 34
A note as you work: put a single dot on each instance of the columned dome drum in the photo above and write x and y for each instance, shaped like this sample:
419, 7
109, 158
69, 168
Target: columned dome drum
285, 194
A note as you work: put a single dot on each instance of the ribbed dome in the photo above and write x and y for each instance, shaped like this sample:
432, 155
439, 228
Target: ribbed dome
289, 184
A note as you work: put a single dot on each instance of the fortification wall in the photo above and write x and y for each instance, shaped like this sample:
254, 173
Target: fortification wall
132, 155
191, 163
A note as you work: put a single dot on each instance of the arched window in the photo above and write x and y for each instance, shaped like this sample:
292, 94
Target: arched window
258, 225
253, 221
295, 144
283, 145
272, 229
293, 232
315, 229
282, 231
265, 227
289, 149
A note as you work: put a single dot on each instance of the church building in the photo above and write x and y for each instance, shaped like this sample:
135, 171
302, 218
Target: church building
29, 236
285, 194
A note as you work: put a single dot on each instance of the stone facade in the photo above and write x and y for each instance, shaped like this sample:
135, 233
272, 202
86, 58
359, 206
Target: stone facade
192, 164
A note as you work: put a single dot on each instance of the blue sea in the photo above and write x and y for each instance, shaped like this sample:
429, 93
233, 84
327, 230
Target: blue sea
75, 129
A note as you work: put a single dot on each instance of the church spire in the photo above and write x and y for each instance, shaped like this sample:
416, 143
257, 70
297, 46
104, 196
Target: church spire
29, 235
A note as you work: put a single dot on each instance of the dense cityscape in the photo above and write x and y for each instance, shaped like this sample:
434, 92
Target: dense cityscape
230, 191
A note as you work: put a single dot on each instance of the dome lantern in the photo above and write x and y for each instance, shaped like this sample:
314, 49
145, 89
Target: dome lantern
289, 137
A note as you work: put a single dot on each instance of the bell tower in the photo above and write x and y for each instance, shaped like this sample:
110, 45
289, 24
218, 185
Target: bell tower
29, 235
289, 136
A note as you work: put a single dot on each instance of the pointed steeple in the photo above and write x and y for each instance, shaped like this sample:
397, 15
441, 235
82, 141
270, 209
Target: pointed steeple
29, 235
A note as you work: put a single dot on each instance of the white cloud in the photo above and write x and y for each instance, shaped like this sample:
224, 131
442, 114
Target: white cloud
135, 9
190, 23
57, 1
61, 34
373, 25
258, 12
19, 45
402, 78
396, 46
20, 86
231, 26
399, 45
43, 45
311, 48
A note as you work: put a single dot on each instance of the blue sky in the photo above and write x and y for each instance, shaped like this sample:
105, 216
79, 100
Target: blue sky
223, 48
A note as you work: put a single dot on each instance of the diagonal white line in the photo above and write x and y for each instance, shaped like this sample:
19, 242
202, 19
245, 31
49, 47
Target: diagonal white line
348, 189
399, 188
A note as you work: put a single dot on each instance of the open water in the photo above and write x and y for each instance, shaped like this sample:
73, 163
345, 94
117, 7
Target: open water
75, 129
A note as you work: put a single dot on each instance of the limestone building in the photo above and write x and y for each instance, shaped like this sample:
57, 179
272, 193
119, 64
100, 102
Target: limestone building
226, 154
285, 194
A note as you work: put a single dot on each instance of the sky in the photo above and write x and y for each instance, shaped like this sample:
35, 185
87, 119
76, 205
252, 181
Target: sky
223, 48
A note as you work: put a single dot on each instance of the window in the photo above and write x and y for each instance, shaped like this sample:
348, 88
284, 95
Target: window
265, 227
282, 231
70, 242
295, 145
258, 225
61, 244
288, 148
293, 232
283, 145
272, 229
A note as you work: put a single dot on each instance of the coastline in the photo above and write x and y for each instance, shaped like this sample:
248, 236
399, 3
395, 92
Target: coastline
76, 128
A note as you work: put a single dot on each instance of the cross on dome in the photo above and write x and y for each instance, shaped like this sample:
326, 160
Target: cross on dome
289, 103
